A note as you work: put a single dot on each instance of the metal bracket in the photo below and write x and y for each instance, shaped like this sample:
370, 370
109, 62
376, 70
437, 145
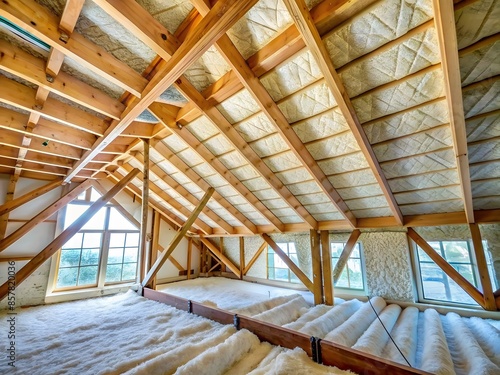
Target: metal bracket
63, 37
236, 321
49, 78
313, 349
318, 351
190, 306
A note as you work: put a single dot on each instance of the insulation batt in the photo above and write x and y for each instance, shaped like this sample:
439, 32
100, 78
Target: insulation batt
285, 313
468, 357
348, 333
311, 314
487, 336
260, 307
332, 319
252, 360
436, 356
404, 334
375, 337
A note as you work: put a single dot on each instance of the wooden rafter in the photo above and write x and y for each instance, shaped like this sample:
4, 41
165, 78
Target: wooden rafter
444, 20
470, 289
326, 258
69, 232
218, 21
267, 105
178, 237
315, 241
346, 253
143, 258
302, 18
290, 264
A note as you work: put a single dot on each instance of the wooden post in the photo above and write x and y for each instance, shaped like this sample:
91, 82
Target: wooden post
316, 266
178, 237
69, 232
327, 267
346, 253
144, 212
293, 267
203, 259
44, 215
484, 276
190, 249
242, 256
14, 203
223, 265
155, 244
4, 219
255, 257
447, 268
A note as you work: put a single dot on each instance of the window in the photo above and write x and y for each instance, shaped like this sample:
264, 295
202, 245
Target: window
352, 276
435, 284
276, 268
103, 252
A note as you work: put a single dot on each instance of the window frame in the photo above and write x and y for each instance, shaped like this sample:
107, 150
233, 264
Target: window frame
101, 283
363, 268
418, 273
290, 273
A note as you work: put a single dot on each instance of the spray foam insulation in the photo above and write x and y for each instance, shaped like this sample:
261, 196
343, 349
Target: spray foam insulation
486, 203
209, 68
483, 128
425, 181
436, 161
483, 98
346, 180
433, 207
323, 125
476, 21
238, 107
343, 164
429, 195
334, 146
490, 170
480, 64
364, 191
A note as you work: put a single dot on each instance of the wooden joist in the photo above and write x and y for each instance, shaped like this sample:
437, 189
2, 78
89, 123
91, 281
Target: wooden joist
178, 237
69, 232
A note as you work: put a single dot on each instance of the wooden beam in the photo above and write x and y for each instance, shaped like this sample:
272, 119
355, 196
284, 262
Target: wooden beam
267, 105
316, 266
13, 204
346, 253
444, 19
326, 256
218, 253
484, 275
178, 237
189, 254
254, 258
69, 232
447, 268
44, 215
290, 264
39, 21
155, 244
220, 19
242, 256
11, 188
144, 211
302, 18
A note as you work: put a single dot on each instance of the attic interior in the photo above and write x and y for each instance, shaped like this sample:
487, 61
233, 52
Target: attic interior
347, 151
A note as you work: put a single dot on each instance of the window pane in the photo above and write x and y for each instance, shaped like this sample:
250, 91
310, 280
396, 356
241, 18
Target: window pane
343, 280
74, 242
97, 221
67, 277
337, 249
278, 262
466, 271
92, 240
115, 255
281, 274
270, 259
355, 252
293, 278
355, 274
116, 239
88, 275
130, 255
118, 221
73, 212
69, 258
423, 257
291, 247
132, 239
129, 270
113, 273
90, 257
294, 258
270, 273
456, 251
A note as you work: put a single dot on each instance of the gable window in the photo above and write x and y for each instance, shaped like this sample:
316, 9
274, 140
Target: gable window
352, 276
435, 284
276, 268
103, 252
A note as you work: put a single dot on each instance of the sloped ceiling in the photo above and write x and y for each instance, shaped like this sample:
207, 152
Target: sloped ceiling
254, 114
